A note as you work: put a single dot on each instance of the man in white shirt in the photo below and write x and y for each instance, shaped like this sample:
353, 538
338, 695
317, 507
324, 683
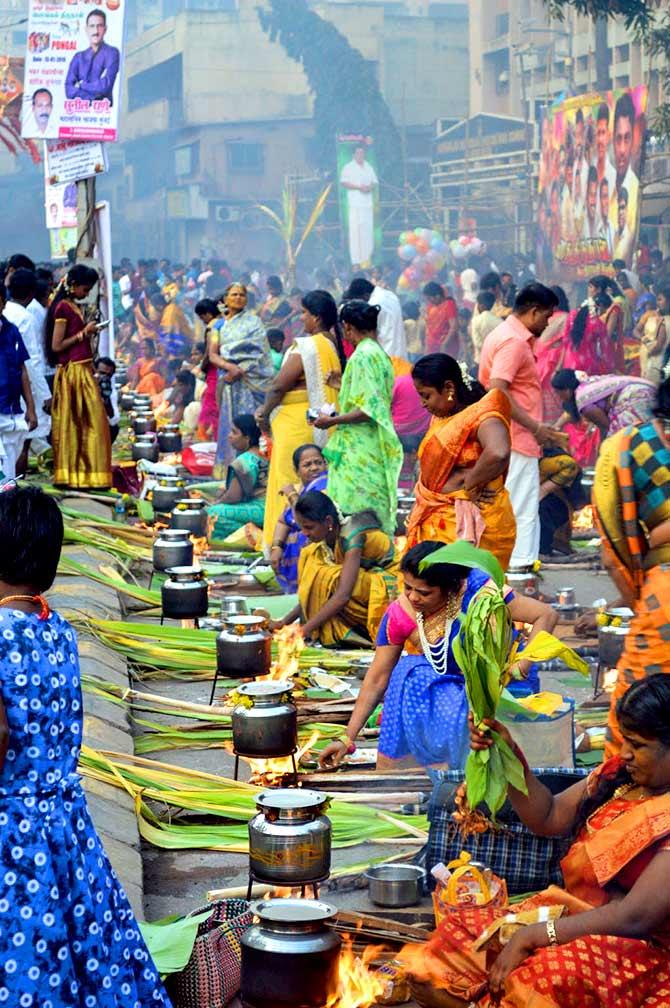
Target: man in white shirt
604, 166
359, 178
21, 287
390, 327
624, 135
605, 225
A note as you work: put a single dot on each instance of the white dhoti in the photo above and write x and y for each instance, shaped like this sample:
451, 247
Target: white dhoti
523, 486
361, 234
13, 433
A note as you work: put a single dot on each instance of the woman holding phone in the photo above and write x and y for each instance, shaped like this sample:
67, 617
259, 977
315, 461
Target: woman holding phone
80, 429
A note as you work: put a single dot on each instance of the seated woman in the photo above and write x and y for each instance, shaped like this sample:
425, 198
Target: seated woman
610, 948
463, 460
561, 494
425, 707
242, 498
288, 540
346, 576
145, 375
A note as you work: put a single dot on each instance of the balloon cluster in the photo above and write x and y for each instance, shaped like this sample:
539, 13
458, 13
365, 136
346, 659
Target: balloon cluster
425, 253
466, 245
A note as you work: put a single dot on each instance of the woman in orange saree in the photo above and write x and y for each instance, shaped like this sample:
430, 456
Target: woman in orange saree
604, 940
463, 461
631, 498
146, 376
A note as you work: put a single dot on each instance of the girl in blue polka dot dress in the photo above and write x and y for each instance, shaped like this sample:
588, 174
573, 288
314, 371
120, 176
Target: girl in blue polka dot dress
68, 937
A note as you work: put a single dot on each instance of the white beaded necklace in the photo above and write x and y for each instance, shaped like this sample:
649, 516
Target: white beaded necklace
437, 655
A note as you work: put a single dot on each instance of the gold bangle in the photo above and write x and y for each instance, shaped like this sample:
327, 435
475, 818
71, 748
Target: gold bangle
551, 933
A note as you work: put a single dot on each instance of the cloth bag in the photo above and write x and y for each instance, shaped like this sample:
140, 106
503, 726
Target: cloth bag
211, 978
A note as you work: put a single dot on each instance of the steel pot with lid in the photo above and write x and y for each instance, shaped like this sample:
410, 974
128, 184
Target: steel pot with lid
523, 580
612, 636
169, 438
127, 400
290, 955
243, 648
143, 421
172, 548
234, 605
145, 446
184, 594
141, 399
269, 727
290, 837
190, 513
167, 492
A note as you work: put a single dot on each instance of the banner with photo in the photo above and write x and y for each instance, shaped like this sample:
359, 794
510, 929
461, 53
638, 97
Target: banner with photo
72, 86
359, 197
589, 188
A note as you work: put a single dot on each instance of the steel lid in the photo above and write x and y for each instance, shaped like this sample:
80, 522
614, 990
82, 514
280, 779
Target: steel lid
243, 620
174, 535
292, 911
186, 503
266, 689
623, 612
185, 573
287, 799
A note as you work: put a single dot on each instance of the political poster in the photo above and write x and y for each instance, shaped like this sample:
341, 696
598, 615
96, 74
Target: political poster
359, 196
70, 161
589, 184
72, 86
61, 240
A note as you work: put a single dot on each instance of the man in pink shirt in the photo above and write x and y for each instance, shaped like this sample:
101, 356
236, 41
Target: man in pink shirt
508, 362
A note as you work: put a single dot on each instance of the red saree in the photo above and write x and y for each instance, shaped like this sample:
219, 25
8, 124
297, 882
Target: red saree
449, 444
596, 971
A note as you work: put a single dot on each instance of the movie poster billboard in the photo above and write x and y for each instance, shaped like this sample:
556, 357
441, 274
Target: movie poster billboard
358, 183
72, 86
589, 189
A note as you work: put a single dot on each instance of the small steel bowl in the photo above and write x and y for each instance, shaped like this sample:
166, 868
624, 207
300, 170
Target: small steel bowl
395, 885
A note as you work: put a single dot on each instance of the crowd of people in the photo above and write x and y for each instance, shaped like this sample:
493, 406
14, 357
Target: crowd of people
484, 397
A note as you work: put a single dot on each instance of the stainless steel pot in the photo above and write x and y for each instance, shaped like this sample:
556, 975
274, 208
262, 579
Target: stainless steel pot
289, 839
565, 597
269, 728
169, 438
588, 479
395, 885
143, 422
243, 648
167, 492
141, 399
172, 548
234, 605
190, 513
184, 594
523, 580
145, 446
290, 956
612, 639
127, 400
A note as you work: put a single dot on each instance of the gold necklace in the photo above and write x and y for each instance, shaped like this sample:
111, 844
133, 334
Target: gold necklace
620, 792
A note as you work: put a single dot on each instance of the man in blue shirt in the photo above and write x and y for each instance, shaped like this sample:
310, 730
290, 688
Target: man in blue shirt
92, 73
14, 383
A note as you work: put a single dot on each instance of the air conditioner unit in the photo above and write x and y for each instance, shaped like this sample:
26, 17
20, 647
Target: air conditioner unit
224, 214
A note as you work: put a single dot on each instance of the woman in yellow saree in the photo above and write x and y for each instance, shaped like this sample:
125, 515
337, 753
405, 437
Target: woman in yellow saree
301, 384
463, 461
347, 575
631, 498
604, 940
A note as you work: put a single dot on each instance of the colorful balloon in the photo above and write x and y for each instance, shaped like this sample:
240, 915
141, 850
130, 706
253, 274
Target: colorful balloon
407, 252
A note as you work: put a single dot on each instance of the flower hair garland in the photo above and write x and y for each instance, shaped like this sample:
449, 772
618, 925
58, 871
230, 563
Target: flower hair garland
465, 375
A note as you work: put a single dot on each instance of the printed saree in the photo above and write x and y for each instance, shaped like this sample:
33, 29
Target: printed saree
288, 421
365, 459
287, 574
319, 571
451, 443
241, 341
598, 971
631, 497
251, 472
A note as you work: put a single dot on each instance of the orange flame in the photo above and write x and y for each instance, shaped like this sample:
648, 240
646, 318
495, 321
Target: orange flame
290, 643
273, 770
583, 520
199, 544
358, 986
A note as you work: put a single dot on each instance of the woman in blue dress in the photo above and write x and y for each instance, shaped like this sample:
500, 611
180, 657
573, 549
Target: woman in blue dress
424, 718
288, 540
68, 937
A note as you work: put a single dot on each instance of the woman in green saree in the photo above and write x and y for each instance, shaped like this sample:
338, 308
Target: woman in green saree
241, 499
364, 454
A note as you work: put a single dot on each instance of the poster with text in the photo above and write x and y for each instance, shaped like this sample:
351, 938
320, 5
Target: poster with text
359, 196
70, 161
589, 188
61, 240
72, 86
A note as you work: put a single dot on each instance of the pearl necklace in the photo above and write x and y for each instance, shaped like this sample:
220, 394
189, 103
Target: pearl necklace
437, 655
